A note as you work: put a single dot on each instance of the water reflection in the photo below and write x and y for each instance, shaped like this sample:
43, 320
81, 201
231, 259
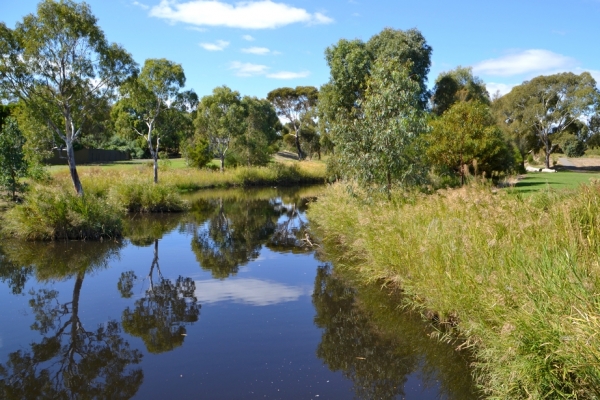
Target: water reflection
71, 360
378, 348
160, 316
228, 230
253, 292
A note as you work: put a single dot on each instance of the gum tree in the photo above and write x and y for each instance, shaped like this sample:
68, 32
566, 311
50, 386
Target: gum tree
220, 119
148, 96
372, 107
295, 105
61, 66
547, 106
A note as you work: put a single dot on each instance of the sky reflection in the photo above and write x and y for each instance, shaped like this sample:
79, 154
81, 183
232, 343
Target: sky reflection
253, 292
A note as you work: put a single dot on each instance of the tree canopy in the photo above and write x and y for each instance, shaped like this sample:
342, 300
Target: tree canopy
295, 105
60, 65
546, 106
458, 84
148, 96
466, 134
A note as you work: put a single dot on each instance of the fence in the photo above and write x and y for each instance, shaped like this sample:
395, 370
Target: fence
88, 156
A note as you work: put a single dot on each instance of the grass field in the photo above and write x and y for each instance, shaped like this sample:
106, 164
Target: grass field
534, 182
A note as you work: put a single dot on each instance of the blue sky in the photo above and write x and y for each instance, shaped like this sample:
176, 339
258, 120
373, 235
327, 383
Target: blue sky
257, 46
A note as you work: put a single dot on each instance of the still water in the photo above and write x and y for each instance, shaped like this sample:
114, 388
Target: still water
227, 301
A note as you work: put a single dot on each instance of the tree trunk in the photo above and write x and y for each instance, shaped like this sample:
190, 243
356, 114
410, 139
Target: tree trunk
548, 151
155, 167
222, 163
73, 168
298, 148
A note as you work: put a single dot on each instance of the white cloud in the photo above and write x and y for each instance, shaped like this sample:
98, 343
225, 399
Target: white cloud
503, 88
261, 51
288, 75
525, 62
246, 291
195, 28
248, 69
218, 46
248, 38
262, 14
141, 5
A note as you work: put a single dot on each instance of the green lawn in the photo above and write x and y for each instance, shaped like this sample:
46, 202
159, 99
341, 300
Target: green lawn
535, 181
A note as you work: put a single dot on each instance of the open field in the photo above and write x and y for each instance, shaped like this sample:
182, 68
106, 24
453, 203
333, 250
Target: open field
536, 181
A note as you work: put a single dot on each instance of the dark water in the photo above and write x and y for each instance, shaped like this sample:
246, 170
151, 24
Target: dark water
227, 301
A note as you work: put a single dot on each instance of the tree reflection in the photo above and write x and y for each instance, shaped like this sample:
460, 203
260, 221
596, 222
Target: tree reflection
351, 344
228, 234
13, 274
160, 317
71, 361
377, 347
142, 230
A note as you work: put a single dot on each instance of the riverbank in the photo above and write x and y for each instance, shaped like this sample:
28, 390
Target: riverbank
513, 278
52, 211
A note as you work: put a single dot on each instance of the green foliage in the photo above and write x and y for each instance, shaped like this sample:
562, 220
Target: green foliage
466, 135
458, 84
13, 165
297, 106
137, 196
148, 97
258, 142
219, 120
197, 152
573, 147
545, 107
381, 147
59, 64
52, 213
370, 111
131, 147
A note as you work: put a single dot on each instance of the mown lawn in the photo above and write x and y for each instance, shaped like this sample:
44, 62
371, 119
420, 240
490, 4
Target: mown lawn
534, 182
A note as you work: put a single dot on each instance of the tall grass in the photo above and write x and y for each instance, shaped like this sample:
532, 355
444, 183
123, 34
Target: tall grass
516, 279
52, 213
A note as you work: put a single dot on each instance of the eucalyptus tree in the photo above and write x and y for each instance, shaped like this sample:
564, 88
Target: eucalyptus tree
149, 95
547, 105
258, 142
372, 108
458, 84
295, 105
220, 119
59, 63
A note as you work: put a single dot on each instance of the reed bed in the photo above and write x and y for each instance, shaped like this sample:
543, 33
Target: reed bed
515, 279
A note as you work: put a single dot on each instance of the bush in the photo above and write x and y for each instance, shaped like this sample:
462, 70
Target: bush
54, 213
574, 147
138, 195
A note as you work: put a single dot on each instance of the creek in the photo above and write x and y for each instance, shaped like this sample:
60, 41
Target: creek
230, 300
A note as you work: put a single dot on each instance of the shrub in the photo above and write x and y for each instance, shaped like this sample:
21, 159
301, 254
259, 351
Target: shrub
139, 195
574, 147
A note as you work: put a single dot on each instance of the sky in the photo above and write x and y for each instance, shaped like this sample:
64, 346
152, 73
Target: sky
257, 46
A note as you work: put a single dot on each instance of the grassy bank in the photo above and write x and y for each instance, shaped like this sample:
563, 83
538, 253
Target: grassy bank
52, 212
515, 278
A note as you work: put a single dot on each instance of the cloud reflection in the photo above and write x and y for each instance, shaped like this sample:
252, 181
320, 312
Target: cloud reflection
247, 291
